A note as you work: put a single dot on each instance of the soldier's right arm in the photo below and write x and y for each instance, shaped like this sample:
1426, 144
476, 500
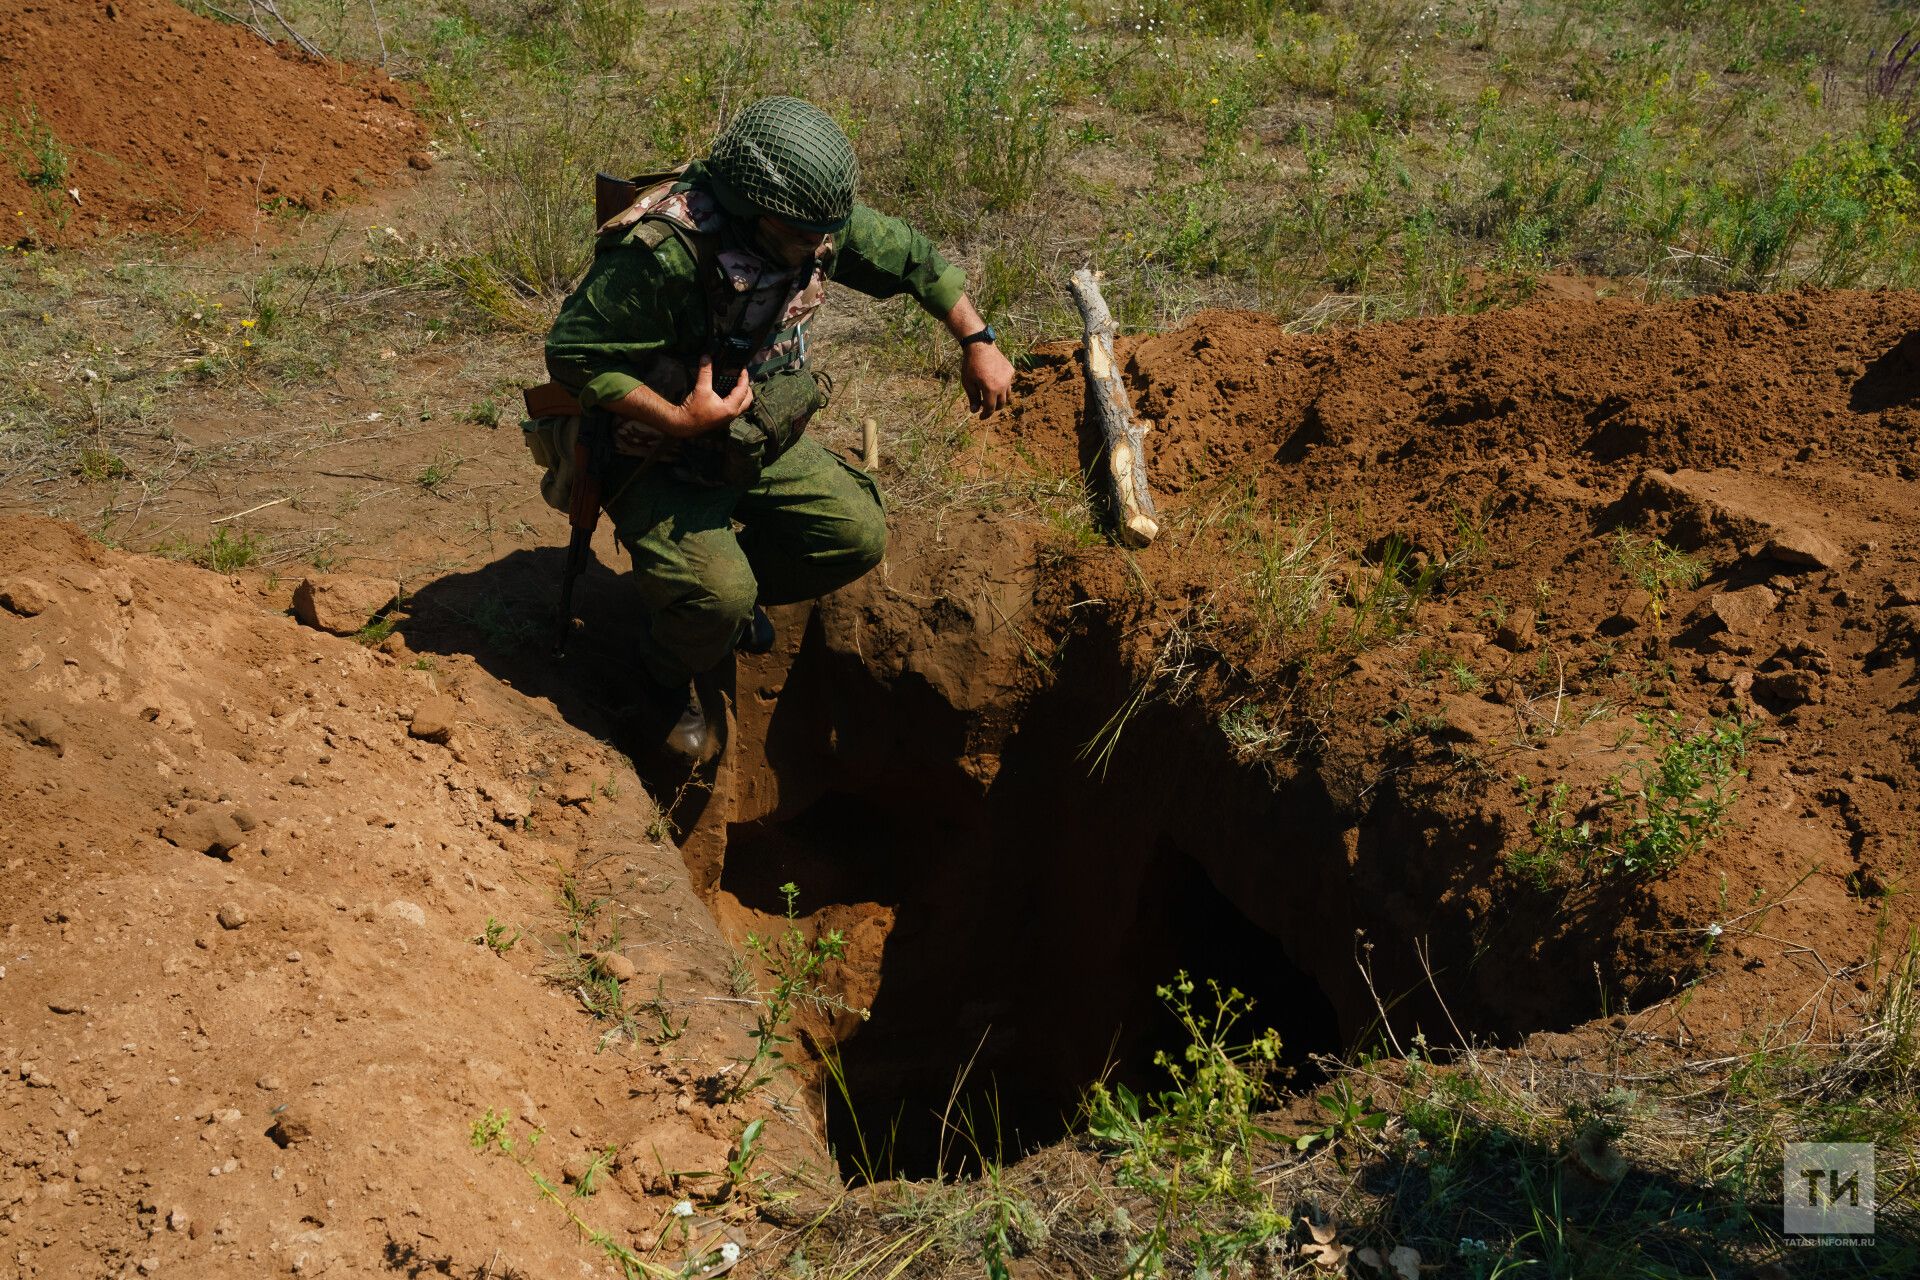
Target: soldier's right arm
627, 311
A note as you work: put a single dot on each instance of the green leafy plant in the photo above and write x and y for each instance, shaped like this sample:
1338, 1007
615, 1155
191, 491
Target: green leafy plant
1349, 1114
1665, 812
1656, 569
1192, 1143
492, 1134
795, 963
493, 936
745, 1152
1683, 794
39, 158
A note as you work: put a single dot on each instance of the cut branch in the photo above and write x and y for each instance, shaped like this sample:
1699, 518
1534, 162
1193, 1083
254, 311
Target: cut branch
1134, 516
307, 46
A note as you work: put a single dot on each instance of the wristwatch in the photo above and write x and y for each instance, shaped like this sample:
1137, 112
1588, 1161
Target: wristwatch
985, 335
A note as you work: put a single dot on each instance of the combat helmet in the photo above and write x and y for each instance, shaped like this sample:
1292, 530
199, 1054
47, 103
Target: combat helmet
788, 158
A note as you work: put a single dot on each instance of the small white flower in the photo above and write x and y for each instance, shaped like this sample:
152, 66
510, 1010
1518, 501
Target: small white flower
1714, 930
684, 1209
729, 1253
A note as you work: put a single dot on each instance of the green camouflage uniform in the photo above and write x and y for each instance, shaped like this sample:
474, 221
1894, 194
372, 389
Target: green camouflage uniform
810, 522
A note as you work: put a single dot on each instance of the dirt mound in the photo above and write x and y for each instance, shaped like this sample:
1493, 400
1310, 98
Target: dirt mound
247, 1021
1499, 459
165, 121
1289, 737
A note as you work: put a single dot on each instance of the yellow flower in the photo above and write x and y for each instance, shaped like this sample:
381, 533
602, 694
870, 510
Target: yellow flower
246, 342
246, 324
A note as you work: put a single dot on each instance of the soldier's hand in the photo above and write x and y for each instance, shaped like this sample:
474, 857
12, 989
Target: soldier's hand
987, 376
705, 409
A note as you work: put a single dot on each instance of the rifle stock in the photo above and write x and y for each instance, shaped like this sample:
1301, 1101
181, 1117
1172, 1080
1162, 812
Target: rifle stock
583, 514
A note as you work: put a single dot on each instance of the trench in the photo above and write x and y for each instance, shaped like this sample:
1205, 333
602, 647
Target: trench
996, 1007
1009, 924
1009, 938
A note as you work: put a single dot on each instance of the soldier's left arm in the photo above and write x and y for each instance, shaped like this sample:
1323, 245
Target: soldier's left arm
883, 257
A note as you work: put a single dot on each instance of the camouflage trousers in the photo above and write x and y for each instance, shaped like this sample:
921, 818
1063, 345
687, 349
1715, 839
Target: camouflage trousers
811, 523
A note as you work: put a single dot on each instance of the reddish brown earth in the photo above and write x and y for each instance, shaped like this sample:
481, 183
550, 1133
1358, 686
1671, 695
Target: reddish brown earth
245, 1022
913, 756
174, 123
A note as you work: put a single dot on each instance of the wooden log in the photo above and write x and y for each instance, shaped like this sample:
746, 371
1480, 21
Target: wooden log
1135, 519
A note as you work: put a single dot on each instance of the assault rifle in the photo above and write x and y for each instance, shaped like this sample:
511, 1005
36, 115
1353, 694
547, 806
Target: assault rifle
592, 449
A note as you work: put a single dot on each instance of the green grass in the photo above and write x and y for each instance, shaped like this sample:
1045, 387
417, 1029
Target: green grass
1334, 161
439, 473
225, 552
1272, 152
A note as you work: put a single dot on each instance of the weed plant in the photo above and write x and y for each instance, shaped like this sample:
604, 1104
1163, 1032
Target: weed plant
492, 1134
1193, 1144
1272, 152
1648, 822
1336, 162
795, 964
1657, 569
226, 551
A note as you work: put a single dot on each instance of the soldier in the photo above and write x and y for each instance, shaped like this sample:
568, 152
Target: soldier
689, 333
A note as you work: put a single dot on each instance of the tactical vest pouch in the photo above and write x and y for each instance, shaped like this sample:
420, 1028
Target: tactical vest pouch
550, 440
551, 427
782, 406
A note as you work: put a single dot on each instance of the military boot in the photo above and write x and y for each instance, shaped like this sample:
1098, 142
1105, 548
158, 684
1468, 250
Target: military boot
691, 738
671, 723
757, 636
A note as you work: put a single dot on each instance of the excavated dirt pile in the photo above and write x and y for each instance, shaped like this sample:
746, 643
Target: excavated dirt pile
136, 115
248, 1018
1282, 746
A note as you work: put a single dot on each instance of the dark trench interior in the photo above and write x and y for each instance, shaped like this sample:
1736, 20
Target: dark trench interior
1027, 946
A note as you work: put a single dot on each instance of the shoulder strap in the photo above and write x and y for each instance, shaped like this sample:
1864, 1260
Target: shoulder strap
618, 203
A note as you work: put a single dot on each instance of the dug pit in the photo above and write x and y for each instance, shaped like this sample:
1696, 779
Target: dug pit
1020, 852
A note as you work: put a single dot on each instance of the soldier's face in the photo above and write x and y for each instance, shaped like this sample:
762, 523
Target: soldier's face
788, 243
